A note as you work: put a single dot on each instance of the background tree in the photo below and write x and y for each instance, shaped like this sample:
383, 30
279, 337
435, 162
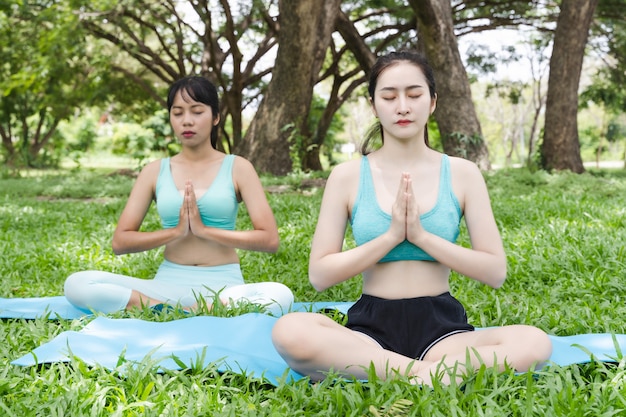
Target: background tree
282, 117
44, 79
136, 48
609, 48
160, 42
455, 114
560, 148
390, 25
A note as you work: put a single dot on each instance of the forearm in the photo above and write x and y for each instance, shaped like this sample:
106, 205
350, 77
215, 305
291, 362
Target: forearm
488, 268
254, 240
331, 269
135, 241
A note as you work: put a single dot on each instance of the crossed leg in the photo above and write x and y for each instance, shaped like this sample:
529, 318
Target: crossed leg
313, 344
520, 346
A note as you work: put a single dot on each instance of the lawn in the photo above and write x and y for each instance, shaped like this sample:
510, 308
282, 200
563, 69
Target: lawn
565, 239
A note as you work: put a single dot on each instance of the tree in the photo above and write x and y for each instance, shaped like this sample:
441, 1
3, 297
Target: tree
43, 78
389, 26
136, 48
455, 115
279, 123
560, 148
160, 42
610, 48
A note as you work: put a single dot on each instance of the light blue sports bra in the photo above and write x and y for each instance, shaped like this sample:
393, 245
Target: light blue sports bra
369, 221
218, 205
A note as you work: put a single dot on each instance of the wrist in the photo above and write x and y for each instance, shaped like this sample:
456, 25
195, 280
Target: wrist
421, 240
393, 239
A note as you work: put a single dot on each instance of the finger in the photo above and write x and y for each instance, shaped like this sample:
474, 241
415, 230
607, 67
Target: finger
402, 188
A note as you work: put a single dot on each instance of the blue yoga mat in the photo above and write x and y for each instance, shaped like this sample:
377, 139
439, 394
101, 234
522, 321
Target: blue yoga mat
240, 344
57, 307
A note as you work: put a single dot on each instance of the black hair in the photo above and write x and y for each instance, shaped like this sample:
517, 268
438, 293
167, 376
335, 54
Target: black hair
198, 89
381, 64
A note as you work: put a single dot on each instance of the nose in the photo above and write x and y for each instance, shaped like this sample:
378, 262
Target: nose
403, 105
187, 119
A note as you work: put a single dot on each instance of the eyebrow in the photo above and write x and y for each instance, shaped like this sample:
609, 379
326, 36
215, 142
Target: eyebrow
410, 87
192, 106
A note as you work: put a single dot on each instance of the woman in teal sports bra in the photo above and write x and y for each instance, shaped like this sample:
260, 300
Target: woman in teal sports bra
404, 202
197, 194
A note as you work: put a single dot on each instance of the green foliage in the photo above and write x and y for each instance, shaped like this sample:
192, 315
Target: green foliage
336, 127
43, 78
132, 139
295, 140
463, 142
609, 39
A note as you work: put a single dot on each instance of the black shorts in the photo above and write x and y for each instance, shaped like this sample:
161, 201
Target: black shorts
408, 326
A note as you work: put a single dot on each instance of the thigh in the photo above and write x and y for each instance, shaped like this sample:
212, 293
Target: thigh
313, 344
458, 344
308, 329
522, 347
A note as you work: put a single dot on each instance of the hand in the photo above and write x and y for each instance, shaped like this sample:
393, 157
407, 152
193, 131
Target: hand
193, 214
414, 229
183, 216
399, 211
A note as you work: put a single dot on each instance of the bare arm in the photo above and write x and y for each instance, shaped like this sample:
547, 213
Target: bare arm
486, 260
328, 264
127, 238
264, 235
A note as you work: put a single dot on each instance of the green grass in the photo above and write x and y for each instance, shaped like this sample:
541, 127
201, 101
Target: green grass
566, 244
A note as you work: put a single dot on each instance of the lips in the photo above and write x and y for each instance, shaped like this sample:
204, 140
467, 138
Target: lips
188, 133
403, 122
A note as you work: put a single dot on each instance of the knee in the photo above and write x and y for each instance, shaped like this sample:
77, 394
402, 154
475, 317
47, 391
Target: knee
76, 287
75, 283
538, 347
276, 297
290, 336
283, 296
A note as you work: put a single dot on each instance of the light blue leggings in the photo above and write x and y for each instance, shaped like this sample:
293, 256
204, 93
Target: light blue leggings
174, 284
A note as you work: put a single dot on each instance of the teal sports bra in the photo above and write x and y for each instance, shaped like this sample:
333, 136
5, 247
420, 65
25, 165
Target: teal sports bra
369, 221
218, 205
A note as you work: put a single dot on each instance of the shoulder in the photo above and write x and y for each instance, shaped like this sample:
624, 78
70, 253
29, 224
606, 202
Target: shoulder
342, 184
240, 161
345, 171
243, 167
467, 180
151, 170
145, 184
464, 170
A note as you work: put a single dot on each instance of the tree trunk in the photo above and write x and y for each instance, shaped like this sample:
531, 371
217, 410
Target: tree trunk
456, 117
560, 149
304, 36
7, 142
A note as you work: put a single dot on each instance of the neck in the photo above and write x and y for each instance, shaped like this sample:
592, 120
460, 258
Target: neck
199, 154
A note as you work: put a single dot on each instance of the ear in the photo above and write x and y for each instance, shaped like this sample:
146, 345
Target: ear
216, 121
373, 107
433, 104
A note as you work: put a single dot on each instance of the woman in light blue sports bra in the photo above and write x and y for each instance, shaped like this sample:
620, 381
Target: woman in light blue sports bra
404, 202
197, 194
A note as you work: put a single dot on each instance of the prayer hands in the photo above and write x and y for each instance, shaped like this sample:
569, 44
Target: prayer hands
405, 216
190, 221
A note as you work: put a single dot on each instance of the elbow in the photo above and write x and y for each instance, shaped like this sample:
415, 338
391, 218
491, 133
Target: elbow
497, 283
273, 244
316, 281
117, 246
498, 276
317, 286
